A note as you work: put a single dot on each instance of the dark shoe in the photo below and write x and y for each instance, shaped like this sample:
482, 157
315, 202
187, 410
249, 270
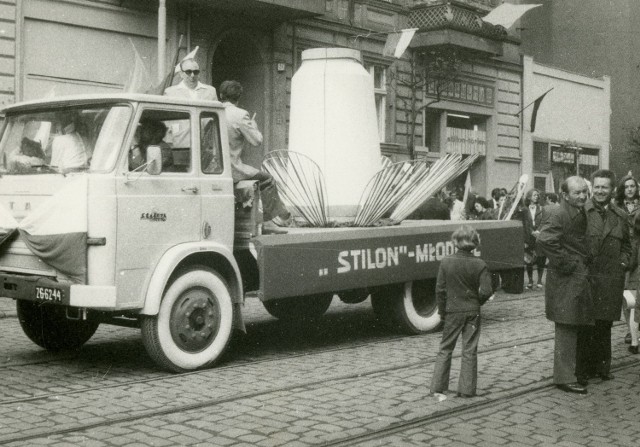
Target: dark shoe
583, 380
572, 388
605, 376
633, 349
627, 338
466, 395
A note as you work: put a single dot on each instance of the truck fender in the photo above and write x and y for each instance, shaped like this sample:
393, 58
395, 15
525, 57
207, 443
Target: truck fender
173, 257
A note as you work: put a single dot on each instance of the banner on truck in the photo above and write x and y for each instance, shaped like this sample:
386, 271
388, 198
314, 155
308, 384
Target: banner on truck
56, 231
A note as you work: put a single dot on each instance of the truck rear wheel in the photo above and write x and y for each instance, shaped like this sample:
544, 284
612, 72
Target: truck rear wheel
299, 308
48, 326
411, 307
194, 324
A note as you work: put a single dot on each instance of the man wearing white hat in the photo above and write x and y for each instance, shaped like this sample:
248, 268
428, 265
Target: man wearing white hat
190, 86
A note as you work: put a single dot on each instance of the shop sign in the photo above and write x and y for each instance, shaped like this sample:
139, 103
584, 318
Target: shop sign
465, 92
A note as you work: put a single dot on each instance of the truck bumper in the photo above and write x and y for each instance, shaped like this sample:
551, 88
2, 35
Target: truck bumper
45, 290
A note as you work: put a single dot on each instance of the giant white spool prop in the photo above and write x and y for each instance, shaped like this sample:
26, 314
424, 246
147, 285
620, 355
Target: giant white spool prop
333, 122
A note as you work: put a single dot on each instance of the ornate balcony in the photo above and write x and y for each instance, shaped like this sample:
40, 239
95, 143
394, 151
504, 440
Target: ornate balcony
482, 6
454, 23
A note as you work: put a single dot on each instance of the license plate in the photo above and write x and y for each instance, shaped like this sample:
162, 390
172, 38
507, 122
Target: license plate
49, 294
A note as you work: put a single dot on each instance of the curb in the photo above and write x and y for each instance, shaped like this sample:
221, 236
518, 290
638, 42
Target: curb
8, 314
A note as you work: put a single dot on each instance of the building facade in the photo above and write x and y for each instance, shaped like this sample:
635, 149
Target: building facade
571, 135
594, 38
55, 47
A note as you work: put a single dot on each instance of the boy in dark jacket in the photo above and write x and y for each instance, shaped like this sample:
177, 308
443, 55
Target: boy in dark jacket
464, 284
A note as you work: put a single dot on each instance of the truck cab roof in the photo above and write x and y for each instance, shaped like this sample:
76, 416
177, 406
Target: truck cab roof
105, 98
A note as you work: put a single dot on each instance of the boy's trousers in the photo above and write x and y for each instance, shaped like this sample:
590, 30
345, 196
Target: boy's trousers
467, 324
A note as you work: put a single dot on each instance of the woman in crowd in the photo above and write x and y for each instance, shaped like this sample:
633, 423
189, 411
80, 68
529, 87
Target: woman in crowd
531, 220
628, 199
482, 210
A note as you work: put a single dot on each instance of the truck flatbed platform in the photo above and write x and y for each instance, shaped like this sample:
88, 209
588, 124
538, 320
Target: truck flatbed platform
313, 260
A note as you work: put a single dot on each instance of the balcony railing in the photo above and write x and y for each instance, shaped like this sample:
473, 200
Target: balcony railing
481, 5
466, 141
440, 15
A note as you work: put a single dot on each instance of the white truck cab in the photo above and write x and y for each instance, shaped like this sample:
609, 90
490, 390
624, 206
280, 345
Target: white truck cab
149, 233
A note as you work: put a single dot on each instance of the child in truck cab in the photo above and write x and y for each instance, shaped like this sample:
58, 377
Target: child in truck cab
243, 130
463, 285
151, 134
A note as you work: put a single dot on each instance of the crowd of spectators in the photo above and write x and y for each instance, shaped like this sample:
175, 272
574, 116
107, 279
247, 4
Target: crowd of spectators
590, 243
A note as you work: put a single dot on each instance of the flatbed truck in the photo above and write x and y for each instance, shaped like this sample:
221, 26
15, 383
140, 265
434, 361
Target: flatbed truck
175, 248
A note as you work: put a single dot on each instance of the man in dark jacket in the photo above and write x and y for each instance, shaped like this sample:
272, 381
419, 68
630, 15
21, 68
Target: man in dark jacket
563, 239
608, 235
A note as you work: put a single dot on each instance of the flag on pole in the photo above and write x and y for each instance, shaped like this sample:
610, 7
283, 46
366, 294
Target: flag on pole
56, 231
536, 106
549, 185
467, 187
507, 14
168, 79
398, 42
191, 55
139, 80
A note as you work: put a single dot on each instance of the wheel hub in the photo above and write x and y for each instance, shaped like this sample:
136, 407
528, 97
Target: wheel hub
195, 319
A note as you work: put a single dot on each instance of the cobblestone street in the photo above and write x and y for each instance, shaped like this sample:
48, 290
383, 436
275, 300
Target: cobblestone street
344, 381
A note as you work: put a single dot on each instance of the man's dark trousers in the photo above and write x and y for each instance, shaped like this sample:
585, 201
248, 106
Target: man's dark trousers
594, 350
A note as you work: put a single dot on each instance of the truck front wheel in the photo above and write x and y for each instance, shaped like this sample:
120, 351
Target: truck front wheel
411, 307
194, 324
48, 326
299, 308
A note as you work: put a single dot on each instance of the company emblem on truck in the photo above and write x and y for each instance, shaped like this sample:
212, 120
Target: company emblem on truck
154, 216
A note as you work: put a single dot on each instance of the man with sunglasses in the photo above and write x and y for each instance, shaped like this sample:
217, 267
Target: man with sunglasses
190, 86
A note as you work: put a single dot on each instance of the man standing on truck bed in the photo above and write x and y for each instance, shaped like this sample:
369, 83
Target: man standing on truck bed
243, 129
190, 86
563, 239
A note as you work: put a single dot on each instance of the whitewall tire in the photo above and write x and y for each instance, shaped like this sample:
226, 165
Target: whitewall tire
194, 323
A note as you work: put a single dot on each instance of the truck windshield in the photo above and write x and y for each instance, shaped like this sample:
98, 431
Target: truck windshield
72, 139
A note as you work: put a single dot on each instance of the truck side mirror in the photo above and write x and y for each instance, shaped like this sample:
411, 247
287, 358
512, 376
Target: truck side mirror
154, 160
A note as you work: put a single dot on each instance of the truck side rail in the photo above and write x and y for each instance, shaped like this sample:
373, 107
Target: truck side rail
311, 261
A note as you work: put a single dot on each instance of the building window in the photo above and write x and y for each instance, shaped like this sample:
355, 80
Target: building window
455, 132
540, 157
540, 183
555, 162
379, 75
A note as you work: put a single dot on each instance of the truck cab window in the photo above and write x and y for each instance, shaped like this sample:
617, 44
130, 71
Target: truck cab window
210, 146
69, 139
167, 129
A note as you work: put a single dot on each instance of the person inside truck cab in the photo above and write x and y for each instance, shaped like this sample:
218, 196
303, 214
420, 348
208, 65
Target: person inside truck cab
68, 150
151, 133
243, 130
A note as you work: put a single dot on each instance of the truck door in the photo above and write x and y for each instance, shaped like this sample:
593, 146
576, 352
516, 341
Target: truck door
155, 212
216, 183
